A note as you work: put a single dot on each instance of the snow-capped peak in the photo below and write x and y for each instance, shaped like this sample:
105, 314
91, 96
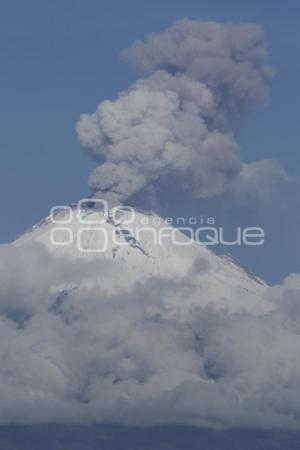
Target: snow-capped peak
141, 245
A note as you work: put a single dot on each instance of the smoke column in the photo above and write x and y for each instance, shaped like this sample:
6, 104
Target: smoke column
176, 125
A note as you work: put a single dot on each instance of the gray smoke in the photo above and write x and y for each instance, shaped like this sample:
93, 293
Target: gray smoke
178, 123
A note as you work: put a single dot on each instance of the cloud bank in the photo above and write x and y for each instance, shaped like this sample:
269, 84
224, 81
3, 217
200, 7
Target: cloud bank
89, 354
177, 124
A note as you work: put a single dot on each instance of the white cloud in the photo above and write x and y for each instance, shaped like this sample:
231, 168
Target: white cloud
157, 352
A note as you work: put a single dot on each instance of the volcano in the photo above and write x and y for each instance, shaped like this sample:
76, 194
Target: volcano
104, 322
140, 245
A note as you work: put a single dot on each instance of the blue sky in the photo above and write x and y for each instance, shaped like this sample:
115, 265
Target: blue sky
60, 58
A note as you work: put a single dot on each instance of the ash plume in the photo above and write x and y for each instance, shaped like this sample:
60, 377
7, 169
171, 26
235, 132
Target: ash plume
177, 124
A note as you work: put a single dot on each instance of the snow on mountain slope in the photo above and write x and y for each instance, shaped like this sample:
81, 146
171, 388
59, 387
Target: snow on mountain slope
142, 246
